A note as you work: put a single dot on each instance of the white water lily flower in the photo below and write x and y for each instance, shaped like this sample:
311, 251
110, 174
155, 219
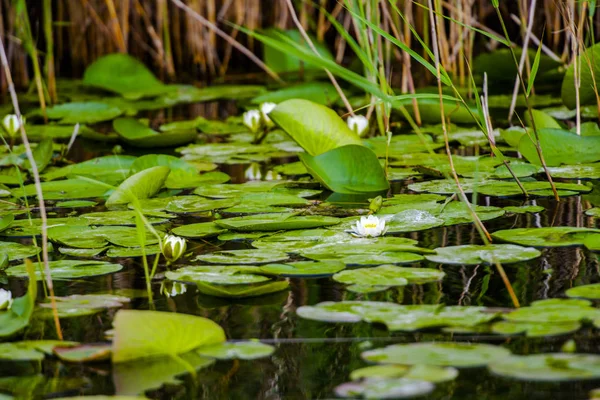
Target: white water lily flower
173, 247
6, 299
370, 226
358, 123
12, 124
265, 109
252, 119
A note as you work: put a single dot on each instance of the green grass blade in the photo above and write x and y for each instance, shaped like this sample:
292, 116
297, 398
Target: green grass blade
534, 69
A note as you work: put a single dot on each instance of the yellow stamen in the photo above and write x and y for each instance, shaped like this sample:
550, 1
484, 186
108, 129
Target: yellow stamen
370, 225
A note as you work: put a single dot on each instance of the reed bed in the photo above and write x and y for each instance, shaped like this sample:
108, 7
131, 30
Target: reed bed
199, 40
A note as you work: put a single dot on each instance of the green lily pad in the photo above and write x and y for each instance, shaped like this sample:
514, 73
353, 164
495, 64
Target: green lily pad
141, 185
384, 388
552, 367
87, 304
411, 221
237, 350
125, 75
88, 237
578, 171
554, 311
561, 147
199, 230
556, 236
221, 275
397, 317
523, 209
585, 94
68, 189
429, 373
18, 251
29, 350
17, 317
478, 254
535, 329
347, 169
125, 218
275, 222
318, 92
386, 276
438, 353
110, 169
142, 334
591, 292
76, 204
68, 269
243, 257
137, 134
89, 112
304, 268
84, 353
33, 226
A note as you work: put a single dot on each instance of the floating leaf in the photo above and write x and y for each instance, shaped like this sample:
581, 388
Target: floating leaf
18, 251
384, 388
535, 329
110, 169
591, 292
304, 268
88, 237
552, 367
556, 236
89, 112
275, 222
84, 353
123, 74
385, 276
438, 353
242, 257
142, 334
317, 92
64, 190
137, 134
18, 315
236, 350
222, 275
68, 269
478, 254
83, 304
199, 230
240, 291
139, 186
429, 373
561, 147
554, 311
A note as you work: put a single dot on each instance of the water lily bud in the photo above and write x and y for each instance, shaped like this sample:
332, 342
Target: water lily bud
569, 346
173, 247
12, 124
359, 124
265, 109
5, 299
375, 204
252, 119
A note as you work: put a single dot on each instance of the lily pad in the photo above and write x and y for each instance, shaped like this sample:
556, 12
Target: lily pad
141, 185
88, 237
384, 388
552, 367
237, 350
137, 134
125, 75
429, 373
142, 334
199, 230
347, 169
84, 353
554, 311
557, 236
221, 275
275, 222
18, 251
535, 329
68, 269
439, 353
304, 268
83, 304
385, 276
591, 292
243, 257
89, 112
477, 254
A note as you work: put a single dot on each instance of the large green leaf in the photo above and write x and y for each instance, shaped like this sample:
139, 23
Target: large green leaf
123, 74
142, 185
276, 222
141, 334
587, 76
348, 169
318, 92
561, 147
109, 169
552, 367
316, 128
